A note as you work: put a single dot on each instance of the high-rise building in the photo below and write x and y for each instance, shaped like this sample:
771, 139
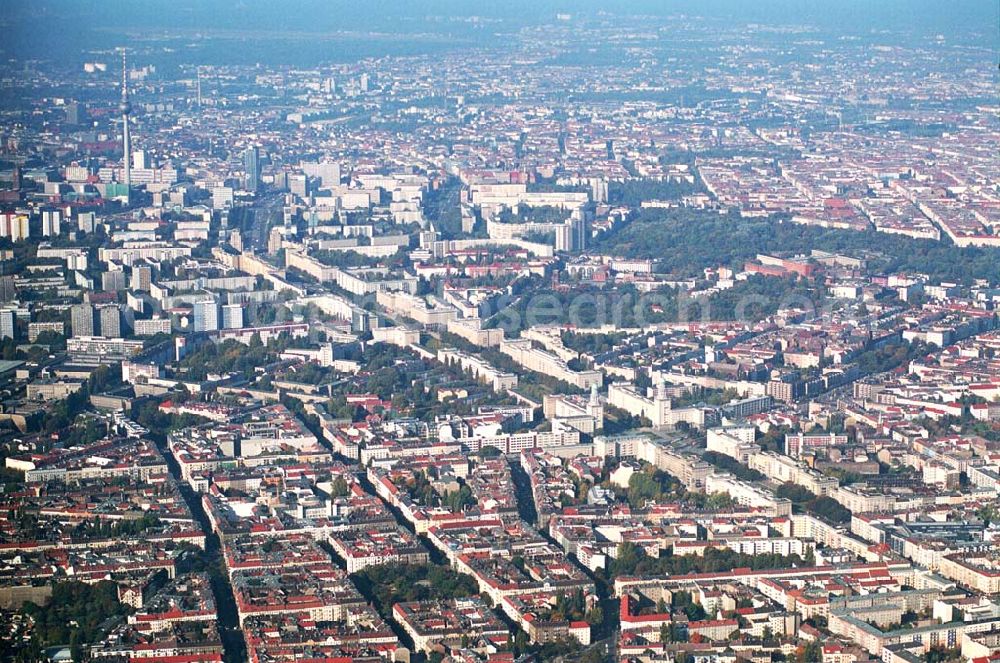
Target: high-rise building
14, 226
142, 277
251, 164
111, 321
73, 113
82, 320
599, 190
236, 239
51, 222
7, 318
113, 280
581, 231
206, 315
328, 172
140, 160
232, 316
564, 238
299, 185
8, 290
222, 196
135, 302
85, 222
281, 180
275, 240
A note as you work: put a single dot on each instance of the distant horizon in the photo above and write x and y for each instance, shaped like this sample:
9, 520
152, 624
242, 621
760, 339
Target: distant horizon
63, 28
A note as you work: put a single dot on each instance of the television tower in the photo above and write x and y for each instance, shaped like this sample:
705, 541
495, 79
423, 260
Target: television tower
126, 109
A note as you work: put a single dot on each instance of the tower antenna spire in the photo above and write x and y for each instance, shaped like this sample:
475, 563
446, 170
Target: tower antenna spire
126, 109
124, 77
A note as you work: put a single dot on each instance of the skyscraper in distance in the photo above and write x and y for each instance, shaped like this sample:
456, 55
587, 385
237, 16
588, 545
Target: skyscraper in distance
73, 115
142, 278
85, 221
232, 316
7, 315
111, 321
51, 222
141, 160
82, 319
206, 315
113, 280
251, 164
8, 290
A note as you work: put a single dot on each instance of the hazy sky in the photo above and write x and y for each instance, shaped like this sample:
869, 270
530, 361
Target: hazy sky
949, 14
62, 28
